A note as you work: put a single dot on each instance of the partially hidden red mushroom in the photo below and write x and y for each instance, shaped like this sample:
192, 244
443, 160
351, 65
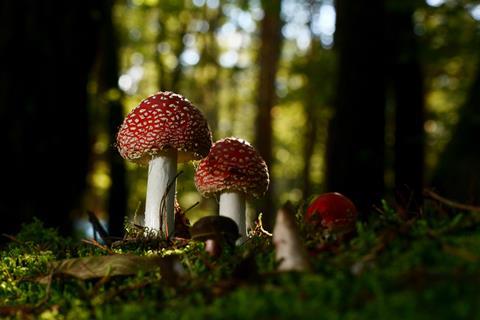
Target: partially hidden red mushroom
332, 212
162, 130
235, 171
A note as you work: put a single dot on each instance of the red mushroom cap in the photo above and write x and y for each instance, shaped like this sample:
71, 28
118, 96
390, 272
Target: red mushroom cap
164, 121
232, 165
332, 211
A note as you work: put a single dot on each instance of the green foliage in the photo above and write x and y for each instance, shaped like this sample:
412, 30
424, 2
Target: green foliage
422, 268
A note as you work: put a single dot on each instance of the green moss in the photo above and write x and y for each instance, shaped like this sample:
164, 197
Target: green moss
391, 269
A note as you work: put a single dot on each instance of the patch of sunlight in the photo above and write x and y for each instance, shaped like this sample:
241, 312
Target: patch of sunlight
128, 82
138, 2
125, 82
189, 40
151, 3
100, 178
297, 81
431, 126
288, 128
438, 100
213, 4
244, 60
475, 12
199, 3
85, 228
170, 61
454, 66
228, 59
317, 166
435, 3
190, 57
323, 23
101, 144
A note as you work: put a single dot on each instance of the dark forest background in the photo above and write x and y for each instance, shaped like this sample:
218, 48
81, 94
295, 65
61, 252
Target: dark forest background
374, 101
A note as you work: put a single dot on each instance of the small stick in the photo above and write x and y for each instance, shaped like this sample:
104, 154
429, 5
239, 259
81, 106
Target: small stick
191, 207
97, 227
260, 224
12, 238
98, 245
450, 203
163, 206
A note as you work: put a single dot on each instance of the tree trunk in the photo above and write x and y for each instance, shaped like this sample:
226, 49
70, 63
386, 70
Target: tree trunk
111, 96
47, 49
209, 58
458, 172
355, 147
407, 83
310, 135
268, 62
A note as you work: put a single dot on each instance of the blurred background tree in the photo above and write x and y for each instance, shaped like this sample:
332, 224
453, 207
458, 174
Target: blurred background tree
377, 100
356, 137
47, 51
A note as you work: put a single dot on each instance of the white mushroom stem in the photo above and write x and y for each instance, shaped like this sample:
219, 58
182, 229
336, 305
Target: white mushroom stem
232, 205
161, 174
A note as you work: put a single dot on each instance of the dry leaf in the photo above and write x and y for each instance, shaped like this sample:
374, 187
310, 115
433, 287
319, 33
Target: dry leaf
113, 265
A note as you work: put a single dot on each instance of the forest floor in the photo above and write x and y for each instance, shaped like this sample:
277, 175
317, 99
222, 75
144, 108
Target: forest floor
424, 267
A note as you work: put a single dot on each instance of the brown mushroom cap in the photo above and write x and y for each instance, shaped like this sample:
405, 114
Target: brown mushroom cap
232, 165
216, 228
164, 121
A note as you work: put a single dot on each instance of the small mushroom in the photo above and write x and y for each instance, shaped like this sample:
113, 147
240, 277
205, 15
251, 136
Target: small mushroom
216, 232
333, 213
234, 170
290, 252
162, 130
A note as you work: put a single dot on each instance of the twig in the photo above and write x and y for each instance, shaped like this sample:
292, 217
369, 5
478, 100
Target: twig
139, 227
191, 207
163, 205
97, 227
136, 211
98, 245
260, 225
12, 238
450, 203
384, 240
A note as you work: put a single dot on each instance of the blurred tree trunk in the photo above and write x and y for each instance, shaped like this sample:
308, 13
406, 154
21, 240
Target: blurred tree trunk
47, 49
169, 81
355, 151
407, 83
111, 97
310, 137
161, 69
209, 61
177, 72
457, 175
269, 55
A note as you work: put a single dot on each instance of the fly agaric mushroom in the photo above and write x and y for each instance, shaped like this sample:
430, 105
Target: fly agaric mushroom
235, 170
333, 212
162, 130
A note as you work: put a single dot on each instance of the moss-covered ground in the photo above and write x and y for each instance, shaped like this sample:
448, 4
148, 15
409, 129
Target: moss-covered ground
425, 267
